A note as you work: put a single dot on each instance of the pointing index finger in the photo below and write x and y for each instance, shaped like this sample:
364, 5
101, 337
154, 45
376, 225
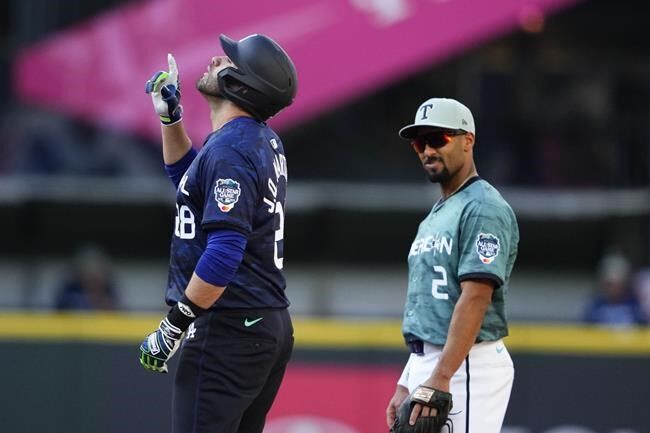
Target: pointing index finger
173, 69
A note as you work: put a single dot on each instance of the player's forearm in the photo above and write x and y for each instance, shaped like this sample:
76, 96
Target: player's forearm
463, 330
216, 267
175, 142
203, 293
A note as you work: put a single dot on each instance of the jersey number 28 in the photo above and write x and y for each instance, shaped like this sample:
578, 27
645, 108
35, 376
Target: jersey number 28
185, 227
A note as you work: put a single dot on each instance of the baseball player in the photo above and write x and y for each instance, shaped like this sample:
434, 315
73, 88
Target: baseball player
226, 287
459, 267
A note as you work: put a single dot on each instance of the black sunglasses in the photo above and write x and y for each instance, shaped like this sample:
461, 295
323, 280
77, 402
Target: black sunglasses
436, 139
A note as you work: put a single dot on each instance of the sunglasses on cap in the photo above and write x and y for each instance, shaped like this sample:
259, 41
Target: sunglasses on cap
435, 139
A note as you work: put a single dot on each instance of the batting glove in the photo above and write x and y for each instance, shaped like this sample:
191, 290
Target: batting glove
159, 346
165, 92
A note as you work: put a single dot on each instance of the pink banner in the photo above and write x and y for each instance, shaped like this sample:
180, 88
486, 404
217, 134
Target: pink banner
342, 49
331, 398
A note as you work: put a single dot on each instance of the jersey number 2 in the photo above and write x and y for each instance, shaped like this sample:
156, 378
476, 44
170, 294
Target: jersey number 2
279, 236
437, 283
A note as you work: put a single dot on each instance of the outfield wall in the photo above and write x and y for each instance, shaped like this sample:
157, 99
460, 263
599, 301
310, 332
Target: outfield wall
80, 373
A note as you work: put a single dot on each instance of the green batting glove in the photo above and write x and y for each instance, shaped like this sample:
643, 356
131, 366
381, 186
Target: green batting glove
165, 92
159, 346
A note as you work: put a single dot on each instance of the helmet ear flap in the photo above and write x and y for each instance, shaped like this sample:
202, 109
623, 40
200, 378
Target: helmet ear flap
231, 84
241, 94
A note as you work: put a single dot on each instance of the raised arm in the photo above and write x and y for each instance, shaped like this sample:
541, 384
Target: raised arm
164, 88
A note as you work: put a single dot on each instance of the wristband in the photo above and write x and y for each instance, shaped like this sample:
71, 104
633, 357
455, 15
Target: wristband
184, 313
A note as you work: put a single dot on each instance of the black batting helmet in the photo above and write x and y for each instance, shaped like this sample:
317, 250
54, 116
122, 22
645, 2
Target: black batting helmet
264, 81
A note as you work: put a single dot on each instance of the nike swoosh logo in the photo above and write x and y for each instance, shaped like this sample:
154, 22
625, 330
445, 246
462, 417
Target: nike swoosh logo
248, 323
500, 349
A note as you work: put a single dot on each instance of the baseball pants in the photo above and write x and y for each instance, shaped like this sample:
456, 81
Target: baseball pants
230, 369
480, 388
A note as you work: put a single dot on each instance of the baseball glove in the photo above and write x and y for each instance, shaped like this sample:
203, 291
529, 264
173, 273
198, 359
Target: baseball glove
425, 396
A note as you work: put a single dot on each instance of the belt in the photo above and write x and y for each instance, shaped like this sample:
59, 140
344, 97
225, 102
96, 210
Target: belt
417, 346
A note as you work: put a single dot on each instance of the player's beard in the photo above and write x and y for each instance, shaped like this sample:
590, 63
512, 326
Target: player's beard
439, 176
208, 85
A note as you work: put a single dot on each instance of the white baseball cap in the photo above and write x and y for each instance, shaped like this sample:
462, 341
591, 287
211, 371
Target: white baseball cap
441, 113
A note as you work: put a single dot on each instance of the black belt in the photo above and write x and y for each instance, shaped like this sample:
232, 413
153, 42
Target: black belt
417, 346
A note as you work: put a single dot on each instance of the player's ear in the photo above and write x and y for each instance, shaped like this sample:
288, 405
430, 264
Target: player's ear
468, 143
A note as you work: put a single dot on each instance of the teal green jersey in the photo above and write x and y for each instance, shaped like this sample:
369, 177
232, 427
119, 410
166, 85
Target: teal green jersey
473, 234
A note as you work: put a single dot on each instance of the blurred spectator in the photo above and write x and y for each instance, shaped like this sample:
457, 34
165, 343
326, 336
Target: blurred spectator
616, 304
642, 287
90, 284
41, 143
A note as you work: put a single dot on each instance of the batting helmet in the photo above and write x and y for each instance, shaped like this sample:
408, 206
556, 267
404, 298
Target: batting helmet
264, 80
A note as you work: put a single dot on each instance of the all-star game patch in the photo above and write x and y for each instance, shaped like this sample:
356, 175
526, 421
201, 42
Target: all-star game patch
226, 193
487, 247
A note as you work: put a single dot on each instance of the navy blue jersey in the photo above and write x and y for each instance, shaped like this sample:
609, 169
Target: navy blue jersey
237, 181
